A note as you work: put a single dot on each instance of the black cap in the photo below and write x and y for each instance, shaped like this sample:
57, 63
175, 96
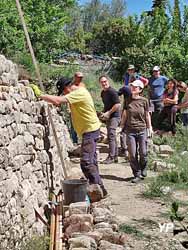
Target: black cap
62, 83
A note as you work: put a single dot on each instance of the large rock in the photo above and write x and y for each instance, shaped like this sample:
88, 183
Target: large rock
166, 149
105, 245
102, 215
83, 242
8, 72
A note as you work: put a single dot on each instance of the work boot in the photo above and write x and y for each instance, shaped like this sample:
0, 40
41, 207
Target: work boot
105, 193
116, 159
109, 160
144, 172
136, 180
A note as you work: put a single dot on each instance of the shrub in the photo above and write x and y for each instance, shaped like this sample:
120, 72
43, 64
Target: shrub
36, 243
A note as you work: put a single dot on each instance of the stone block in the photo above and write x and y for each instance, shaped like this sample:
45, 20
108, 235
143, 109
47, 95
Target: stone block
78, 227
102, 225
97, 236
159, 166
105, 245
83, 242
102, 215
156, 149
4, 157
166, 149
79, 208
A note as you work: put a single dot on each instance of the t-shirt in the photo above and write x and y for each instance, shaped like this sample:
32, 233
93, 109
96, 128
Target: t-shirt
170, 95
136, 109
125, 91
84, 117
110, 98
157, 86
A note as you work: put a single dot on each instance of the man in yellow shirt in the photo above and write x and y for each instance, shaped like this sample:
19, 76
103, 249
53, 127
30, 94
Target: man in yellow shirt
86, 124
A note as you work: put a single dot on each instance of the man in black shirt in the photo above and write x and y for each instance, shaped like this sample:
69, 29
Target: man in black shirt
126, 92
111, 113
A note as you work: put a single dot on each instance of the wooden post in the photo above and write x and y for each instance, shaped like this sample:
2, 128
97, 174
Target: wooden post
52, 225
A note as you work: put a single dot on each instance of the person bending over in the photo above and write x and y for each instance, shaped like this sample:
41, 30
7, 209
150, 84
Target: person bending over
86, 124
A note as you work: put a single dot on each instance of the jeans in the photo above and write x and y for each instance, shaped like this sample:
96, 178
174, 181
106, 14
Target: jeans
155, 107
137, 148
88, 161
184, 119
111, 126
123, 142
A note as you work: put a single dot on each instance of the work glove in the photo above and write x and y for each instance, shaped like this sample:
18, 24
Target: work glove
150, 132
118, 130
37, 91
106, 115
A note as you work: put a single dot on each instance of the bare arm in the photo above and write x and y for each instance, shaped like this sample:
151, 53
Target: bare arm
123, 119
115, 108
171, 101
185, 103
182, 105
56, 100
148, 120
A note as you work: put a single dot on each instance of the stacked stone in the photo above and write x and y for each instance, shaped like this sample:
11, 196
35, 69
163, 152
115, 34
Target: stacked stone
29, 162
95, 230
8, 72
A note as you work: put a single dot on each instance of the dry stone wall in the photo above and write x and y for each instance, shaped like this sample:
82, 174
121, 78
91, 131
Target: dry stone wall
29, 163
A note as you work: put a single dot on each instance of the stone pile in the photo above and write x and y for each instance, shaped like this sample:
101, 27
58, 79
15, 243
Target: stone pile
29, 162
98, 229
159, 154
8, 72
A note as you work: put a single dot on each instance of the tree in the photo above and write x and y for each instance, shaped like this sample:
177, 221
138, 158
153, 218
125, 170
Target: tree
118, 8
45, 20
158, 4
176, 22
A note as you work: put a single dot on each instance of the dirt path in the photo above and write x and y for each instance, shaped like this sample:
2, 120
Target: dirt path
140, 215
127, 197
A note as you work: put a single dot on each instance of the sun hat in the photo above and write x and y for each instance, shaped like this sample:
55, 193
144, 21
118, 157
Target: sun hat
131, 66
137, 83
156, 68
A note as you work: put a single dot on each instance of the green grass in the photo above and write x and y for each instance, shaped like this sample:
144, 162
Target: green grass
176, 178
133, 231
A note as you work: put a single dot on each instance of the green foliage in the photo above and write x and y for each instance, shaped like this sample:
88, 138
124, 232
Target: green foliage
45, 21
158, 4
154, 189
36, 243
178, 176
176, 22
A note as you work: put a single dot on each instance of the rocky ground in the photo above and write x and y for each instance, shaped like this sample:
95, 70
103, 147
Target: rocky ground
141, 216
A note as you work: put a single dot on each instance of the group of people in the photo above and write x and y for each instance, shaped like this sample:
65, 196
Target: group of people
136, 118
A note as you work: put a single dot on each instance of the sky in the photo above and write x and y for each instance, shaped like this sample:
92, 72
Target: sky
138, 6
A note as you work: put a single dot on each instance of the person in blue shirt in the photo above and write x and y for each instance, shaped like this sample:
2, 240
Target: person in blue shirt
156, 85
131, 75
